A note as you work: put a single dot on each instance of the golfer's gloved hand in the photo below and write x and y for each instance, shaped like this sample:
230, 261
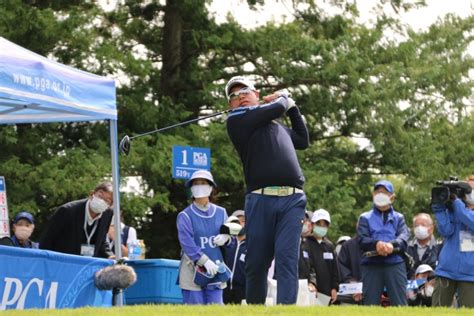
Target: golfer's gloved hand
221, 239
211, 267
283, 92
291, 104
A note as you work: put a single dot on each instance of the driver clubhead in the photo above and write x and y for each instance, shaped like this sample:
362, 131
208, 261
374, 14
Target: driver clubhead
124, 145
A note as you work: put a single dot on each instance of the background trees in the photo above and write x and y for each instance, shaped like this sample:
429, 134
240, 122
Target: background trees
409, 100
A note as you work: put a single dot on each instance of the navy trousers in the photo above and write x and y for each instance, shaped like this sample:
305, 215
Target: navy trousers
273, 228
376, 277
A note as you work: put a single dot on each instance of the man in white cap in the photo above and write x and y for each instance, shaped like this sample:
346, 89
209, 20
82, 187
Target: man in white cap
322, 257
275, 201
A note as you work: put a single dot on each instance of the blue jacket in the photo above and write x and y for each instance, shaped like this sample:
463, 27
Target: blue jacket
453, 263
373, 228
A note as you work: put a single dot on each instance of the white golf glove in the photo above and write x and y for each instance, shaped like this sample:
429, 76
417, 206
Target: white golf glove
221, 239
283, 92
291, 104
211, 267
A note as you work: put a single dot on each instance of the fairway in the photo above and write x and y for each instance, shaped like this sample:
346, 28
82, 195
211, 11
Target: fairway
141, 310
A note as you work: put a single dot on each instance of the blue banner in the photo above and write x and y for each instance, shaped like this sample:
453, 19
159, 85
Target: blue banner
32, 278
36, 89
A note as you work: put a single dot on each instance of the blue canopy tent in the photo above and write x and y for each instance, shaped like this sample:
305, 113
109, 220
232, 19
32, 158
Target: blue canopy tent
34, 89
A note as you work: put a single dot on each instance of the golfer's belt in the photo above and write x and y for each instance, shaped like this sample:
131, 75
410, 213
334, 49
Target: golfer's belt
278, 191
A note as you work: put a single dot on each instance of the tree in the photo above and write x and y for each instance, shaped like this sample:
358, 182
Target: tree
408, 99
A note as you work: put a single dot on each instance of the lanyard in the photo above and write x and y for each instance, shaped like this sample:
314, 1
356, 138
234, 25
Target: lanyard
88, 237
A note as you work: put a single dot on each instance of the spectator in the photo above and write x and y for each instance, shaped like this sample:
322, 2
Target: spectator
455, 269
23, 227
423, 296
322, 257
304, 268
128, 235
198, 232
423, 247
340, 241
275, 201
349, 260
235, 254
80, 227
383, 233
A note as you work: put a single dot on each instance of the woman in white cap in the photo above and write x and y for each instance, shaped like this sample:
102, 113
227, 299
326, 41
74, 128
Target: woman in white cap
322, 257
198, 232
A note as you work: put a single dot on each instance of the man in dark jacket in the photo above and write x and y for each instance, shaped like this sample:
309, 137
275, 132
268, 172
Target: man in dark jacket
234, 257
423, 248
80, 227
348, 262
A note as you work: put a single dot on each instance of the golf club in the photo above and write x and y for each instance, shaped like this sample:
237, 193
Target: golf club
124, 145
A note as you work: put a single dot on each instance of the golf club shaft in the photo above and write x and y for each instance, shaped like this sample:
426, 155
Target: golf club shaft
179, 124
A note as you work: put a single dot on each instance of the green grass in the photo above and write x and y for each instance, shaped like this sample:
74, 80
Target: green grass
237, 310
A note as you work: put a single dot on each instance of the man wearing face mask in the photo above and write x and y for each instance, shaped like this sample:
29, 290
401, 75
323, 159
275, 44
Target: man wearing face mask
383, 231
322, 257
423, 247
80, 227
198, 233
23, 227
455, 269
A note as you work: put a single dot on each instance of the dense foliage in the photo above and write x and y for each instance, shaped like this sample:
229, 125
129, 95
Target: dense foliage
408, 98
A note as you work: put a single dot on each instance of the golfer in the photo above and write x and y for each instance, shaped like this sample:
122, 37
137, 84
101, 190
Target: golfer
275, 202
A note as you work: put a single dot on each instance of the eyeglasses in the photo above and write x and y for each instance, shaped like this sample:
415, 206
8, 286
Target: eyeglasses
234, 95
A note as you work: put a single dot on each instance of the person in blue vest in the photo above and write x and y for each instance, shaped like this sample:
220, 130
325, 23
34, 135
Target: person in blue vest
23, 227
384, 234
275, 201
198, 232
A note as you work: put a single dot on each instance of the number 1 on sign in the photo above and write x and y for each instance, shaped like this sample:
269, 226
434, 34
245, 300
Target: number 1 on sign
185, 157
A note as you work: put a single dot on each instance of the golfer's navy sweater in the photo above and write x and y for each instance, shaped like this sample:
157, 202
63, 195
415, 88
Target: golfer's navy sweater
266, 147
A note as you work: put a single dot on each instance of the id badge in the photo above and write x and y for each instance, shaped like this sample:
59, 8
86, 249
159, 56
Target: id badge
466, 241
87, 250
328, 256
242, 257
305, 254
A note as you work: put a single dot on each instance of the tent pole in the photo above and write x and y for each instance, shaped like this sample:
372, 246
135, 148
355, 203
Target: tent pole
116, 185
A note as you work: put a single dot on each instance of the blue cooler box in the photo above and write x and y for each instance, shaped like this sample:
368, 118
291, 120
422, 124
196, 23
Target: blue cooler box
156, 282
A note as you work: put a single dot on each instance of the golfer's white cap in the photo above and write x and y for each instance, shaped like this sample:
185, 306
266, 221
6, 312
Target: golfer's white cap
200, 174
321, 214
422, 268
236, 81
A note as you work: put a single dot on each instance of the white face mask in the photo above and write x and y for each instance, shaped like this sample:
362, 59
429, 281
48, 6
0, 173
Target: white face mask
320, 231
470, 198
305, 230
421, 232
381, 199
97, 205
23, 232
201, 190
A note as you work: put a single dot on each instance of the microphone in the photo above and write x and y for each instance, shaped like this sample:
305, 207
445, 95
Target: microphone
117, 276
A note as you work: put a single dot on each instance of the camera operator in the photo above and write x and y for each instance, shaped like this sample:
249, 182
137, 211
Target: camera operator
455, 219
